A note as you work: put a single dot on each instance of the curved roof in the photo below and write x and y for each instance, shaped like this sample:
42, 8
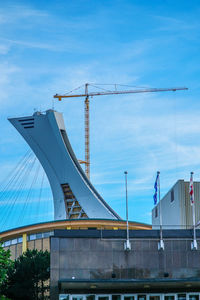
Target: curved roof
72, 224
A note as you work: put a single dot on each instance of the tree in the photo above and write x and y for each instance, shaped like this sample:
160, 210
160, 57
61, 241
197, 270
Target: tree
5, 264
28, 279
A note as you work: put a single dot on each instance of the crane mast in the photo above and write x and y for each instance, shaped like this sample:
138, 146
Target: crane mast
87, 133
87, 111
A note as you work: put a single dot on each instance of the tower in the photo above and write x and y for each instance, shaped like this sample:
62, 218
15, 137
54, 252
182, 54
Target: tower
73, 194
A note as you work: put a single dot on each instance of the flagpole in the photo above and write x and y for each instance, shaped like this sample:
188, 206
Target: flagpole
161, 243
194, 243
159, 205
194, 227
127, 245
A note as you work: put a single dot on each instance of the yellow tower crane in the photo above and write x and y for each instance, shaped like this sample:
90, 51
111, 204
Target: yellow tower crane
87, 115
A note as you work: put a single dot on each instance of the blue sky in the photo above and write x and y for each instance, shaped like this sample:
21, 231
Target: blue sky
49, 47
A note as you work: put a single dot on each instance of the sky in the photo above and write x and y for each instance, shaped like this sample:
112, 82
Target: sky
49, 47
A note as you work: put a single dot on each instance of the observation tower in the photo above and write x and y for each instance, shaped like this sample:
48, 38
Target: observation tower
74, 196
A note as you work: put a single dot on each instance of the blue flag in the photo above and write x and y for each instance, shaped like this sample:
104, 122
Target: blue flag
155, 198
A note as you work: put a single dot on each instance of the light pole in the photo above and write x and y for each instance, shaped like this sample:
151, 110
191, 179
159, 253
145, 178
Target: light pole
127, 244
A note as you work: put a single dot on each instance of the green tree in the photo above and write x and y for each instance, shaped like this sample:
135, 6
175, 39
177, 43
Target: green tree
28, 279
5, 264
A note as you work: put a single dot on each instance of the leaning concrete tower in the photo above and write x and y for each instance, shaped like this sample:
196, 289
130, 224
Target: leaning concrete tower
73, 194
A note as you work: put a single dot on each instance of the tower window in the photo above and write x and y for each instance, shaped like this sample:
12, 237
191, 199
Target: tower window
172, 195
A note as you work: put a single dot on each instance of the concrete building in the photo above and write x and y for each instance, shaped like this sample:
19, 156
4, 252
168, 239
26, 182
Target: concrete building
73, 194
176, 207
88, 260
93, 265
37, 236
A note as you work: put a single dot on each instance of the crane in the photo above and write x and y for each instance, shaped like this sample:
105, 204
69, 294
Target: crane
86, 94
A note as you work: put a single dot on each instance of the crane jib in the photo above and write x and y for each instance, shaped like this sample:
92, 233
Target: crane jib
87, 123
122, 92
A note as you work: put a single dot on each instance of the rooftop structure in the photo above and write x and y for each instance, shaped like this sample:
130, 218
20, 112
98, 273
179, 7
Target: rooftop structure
176, 207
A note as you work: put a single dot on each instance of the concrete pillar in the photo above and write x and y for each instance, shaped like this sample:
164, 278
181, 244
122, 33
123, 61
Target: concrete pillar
24, 243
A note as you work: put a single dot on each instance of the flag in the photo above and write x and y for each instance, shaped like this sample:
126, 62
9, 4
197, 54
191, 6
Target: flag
155, 198
191, 190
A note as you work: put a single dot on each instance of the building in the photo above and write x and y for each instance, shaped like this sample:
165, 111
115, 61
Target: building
86, 238
88, 260
93, 265
73, 194
176, 207
37, 236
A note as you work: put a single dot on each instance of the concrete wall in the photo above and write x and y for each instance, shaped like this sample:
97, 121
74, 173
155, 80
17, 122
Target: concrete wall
96, 258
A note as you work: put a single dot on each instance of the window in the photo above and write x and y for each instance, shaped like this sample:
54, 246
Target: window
169, 297
103, 297
181, 296
90, 297
172, 195
156, 212
14, 241
7, 243
194, 297
129, 297
116, 297
38, 235
32, 237
77, 297
46, 234
19, 240
63, 297
141, 297
154, 298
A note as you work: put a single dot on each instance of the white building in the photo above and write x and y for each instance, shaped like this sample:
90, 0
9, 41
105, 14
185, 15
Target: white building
176, 208
74, 195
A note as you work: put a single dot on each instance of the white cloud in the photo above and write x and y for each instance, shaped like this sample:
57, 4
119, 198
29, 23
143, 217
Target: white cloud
15, 13
176, 24
4, 49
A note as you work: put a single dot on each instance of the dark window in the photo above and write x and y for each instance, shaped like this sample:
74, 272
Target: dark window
129, 297
38, 235
90, 297
156, 212
171, 297
24, 120
181, 296
141, 297
47, 234
28, 123
116, 297
172, 195
194, 297
28, 127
